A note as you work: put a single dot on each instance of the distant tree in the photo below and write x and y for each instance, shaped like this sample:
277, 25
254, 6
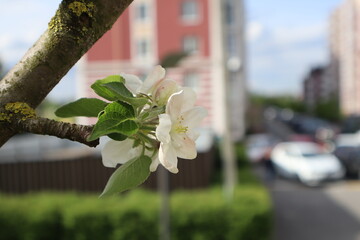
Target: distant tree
289, 102
259, 102
328, 110
173, 59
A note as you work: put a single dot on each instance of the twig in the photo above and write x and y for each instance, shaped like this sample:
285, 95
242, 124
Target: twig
45, 126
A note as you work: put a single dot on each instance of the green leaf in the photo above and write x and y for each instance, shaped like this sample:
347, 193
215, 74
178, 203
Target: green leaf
119, 89
117, 136
123, 94
117, 117
104, 92
123, 109
137, 143
129, 175
87, 107
109, 125
153, 113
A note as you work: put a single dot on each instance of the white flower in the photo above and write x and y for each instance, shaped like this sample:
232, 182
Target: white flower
155, 84
119, 152
176, 129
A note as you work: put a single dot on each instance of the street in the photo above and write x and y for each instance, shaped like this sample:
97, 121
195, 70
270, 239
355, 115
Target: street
330, 212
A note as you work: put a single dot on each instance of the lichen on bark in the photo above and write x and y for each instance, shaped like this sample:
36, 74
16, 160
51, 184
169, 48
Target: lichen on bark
21, 109
80, 7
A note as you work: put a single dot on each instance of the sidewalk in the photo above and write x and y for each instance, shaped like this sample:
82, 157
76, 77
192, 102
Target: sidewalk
302, 213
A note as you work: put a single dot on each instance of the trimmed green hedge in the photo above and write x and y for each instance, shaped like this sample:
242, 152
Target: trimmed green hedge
195, 215
205, 215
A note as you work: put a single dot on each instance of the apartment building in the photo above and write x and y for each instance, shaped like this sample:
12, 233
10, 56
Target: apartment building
344, 43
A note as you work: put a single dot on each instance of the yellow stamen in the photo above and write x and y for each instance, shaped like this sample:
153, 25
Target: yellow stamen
181, 129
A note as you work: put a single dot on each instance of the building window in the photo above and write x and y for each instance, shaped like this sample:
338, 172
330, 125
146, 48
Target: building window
142, 48
189, 11
142, 12
192, 80
232, 46
190, 44
229, 13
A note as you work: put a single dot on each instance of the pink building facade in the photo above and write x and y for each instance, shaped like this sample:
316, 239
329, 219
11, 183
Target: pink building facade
150, 30
345, 54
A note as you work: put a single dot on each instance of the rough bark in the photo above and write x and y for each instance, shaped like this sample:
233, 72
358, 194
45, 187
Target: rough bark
76, 26
45, 126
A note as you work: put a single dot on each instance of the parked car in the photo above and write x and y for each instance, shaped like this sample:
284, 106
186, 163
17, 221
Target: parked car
350, 158
257, 145
307, 162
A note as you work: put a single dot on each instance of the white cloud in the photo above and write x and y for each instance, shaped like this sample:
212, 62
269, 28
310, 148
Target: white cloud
5, 41
292, 34
254, 31
281, 56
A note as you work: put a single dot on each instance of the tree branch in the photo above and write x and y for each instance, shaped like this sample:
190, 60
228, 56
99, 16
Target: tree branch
45, 126
76, 26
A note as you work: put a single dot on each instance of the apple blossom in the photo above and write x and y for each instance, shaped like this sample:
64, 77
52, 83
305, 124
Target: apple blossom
155, 84
153, 122
176, 129
120, 152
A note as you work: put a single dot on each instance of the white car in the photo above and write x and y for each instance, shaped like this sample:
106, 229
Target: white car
257, 146
307, 162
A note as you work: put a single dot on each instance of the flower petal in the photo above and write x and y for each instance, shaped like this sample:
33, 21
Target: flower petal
132, 82
193, 117
116, 152
184, 146
163, 90
155, 163
163, 129
157, 74
168, 158
180, 102
194, 135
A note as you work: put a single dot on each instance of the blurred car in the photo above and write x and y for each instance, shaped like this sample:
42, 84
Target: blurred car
350, 158
307, 162
257, 145
348, 140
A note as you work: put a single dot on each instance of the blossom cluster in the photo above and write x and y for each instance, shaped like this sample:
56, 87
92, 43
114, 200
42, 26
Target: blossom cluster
167, 123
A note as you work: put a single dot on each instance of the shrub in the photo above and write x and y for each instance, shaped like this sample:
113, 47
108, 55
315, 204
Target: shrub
194, 215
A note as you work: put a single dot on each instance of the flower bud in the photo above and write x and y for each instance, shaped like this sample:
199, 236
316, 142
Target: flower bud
163, 89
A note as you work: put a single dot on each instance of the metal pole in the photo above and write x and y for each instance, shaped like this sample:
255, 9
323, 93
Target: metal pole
227, 148
163, 187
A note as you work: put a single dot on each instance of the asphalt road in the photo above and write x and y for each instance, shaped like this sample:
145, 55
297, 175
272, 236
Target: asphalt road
330, 212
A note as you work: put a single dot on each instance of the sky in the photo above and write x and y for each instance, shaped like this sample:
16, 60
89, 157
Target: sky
284, 40
21, 24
